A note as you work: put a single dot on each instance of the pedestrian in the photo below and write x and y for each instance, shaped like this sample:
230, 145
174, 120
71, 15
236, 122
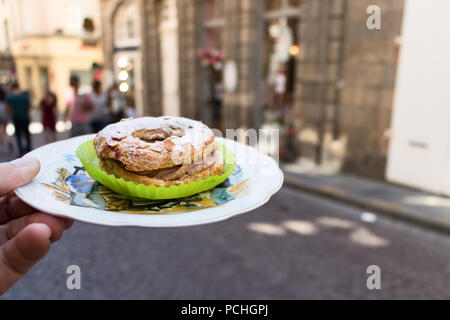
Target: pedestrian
25, 234
217, 106
117, 103
130, 111
19, 104
77, 111
4, 117
48, 108
98, 100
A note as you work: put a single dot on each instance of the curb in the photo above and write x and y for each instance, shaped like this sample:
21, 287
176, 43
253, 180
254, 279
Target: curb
376, 205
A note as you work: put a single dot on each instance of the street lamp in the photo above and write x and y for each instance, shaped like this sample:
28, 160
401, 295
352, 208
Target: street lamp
122, 62
123, 75
124, 87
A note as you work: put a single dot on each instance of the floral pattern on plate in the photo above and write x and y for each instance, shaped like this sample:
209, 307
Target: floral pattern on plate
71, 184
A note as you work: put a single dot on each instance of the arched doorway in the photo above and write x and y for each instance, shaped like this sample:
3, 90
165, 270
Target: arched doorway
127, 42
280, 49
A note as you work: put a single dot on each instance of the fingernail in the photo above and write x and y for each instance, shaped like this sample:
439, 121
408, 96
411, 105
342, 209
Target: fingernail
45, 229
26, 161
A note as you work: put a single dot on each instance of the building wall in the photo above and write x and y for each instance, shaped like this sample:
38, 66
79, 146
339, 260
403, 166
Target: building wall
346, 82
46, 17
151, 58
59, 55
107, 10
5, 27
240, 45
313, 107
370, 60
189, 16
168, 30
6, 60
53, 39
239, 36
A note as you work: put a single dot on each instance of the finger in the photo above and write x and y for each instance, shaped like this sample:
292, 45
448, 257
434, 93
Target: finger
17, 173
56, 225
68, 223
12, 207
18, 208
20, 254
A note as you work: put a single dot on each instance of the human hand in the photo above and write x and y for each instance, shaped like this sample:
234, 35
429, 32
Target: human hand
25, 234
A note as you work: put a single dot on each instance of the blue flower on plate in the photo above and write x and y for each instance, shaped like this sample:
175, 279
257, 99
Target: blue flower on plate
80, 181
70, 157
221, 196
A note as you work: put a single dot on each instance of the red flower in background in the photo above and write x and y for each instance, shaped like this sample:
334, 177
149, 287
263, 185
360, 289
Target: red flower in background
211, 58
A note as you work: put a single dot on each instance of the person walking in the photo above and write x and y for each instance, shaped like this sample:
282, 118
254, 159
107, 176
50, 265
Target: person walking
130, 111
4, 118
116, 102
19, 104
77, 110
217, 106
98, 102
48, 107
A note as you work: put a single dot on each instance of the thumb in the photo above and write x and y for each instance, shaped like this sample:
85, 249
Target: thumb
21, 253
17, 173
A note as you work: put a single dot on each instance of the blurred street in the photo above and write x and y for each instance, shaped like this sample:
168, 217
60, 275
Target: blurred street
296, 246
10, 152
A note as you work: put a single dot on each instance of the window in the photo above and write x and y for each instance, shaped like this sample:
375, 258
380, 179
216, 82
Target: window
213, 10
130, 28
214, 22
43, 73
126, 26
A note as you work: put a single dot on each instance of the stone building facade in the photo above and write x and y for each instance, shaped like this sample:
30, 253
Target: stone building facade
341, 73
369, 69
38, 51
346, 83
345, 75
189, 17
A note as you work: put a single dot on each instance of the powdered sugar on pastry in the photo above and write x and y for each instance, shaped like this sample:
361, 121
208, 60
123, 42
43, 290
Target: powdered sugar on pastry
145, 144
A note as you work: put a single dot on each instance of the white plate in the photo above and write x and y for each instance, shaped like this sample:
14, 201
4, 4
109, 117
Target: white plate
63, 188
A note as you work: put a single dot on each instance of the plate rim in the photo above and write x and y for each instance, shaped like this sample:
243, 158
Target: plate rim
133, 224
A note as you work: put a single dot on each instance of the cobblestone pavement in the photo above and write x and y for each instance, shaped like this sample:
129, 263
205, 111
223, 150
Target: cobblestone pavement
296, 246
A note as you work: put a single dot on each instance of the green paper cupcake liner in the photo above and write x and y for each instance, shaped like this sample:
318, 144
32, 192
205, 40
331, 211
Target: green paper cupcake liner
88, 157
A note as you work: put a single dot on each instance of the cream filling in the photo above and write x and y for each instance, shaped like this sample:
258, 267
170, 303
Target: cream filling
178, 172
181, 172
